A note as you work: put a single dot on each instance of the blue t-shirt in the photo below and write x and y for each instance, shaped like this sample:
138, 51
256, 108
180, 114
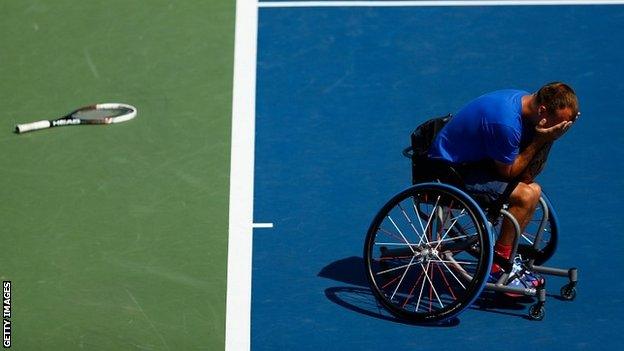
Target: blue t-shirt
489, 127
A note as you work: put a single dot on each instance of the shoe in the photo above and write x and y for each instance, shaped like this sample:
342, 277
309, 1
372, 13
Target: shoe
519, 277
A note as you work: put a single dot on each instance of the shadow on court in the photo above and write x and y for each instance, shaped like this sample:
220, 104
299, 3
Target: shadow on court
360, 299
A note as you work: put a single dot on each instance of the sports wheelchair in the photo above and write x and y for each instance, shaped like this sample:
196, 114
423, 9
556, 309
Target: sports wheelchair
429, 250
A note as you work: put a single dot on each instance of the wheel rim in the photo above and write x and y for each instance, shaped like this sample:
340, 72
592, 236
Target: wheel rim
427, 254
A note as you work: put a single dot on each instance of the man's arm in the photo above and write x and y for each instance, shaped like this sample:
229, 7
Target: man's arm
536, 165
544, 137
511, 171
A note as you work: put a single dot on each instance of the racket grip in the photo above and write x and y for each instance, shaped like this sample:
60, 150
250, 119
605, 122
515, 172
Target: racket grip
27, 127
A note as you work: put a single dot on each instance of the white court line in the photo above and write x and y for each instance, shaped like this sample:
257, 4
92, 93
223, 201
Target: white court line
238, 304
263, 225
441, 3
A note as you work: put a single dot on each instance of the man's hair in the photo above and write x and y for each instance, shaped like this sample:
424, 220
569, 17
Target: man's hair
556, 96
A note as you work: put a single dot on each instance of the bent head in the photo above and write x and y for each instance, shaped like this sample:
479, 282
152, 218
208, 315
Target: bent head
556, 102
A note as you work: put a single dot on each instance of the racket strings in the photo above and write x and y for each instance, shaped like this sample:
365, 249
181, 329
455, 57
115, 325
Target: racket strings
93, 114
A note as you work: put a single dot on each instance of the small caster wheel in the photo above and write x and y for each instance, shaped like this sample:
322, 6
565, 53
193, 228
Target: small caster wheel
568, 292
537, 312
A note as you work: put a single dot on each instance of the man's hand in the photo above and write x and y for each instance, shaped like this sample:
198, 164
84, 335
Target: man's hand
547, 135
542, 141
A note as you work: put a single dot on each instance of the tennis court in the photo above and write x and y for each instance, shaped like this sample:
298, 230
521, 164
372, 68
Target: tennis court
254, 167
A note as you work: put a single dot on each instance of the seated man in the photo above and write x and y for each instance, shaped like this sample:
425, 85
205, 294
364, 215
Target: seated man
505, 136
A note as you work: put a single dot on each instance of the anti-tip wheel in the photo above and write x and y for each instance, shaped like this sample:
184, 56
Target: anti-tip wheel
568, 292
537, 312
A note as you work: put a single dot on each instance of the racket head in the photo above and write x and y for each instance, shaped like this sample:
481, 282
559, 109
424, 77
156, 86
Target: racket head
104, 113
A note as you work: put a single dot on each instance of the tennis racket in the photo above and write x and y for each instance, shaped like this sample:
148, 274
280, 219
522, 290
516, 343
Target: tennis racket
93, 114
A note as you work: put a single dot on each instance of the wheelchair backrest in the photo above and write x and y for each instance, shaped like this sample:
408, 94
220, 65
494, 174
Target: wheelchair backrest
423, 168
422, 137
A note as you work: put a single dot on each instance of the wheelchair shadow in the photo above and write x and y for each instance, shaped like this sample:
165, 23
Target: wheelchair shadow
358, 297
494, 302
362, 301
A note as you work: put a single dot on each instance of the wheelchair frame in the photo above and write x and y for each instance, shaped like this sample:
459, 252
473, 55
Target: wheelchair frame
447, 175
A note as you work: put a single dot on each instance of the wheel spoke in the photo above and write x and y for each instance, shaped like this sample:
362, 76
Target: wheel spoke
403, 277
420, 236
411, 293
399, 267
418, 216
524, 235
449, 229
400, 232
454, 262
390, 282
392, 234
394, 258
393, 244
432, 288
453, 274
450, 289
452, 239
422, 287
431, 216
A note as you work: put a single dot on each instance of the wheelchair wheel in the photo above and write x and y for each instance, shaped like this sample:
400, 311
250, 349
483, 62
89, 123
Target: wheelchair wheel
428, 253
547, 244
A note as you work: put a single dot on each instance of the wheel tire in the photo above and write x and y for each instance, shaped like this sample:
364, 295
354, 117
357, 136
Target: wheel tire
568, 292
537, 312
388, 253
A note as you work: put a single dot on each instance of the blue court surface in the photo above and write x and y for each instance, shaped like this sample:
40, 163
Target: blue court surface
339, 90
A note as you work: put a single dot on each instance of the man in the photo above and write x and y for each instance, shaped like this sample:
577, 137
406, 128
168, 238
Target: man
505, 136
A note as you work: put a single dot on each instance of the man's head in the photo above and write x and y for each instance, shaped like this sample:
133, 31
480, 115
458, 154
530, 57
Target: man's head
556, 102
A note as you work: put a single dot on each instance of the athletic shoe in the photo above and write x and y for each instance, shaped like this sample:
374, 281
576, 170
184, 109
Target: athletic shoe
519, 277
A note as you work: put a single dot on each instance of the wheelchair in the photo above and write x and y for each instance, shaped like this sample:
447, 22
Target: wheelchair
429, 250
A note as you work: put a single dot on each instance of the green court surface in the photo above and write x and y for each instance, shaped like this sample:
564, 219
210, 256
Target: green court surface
115, 237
